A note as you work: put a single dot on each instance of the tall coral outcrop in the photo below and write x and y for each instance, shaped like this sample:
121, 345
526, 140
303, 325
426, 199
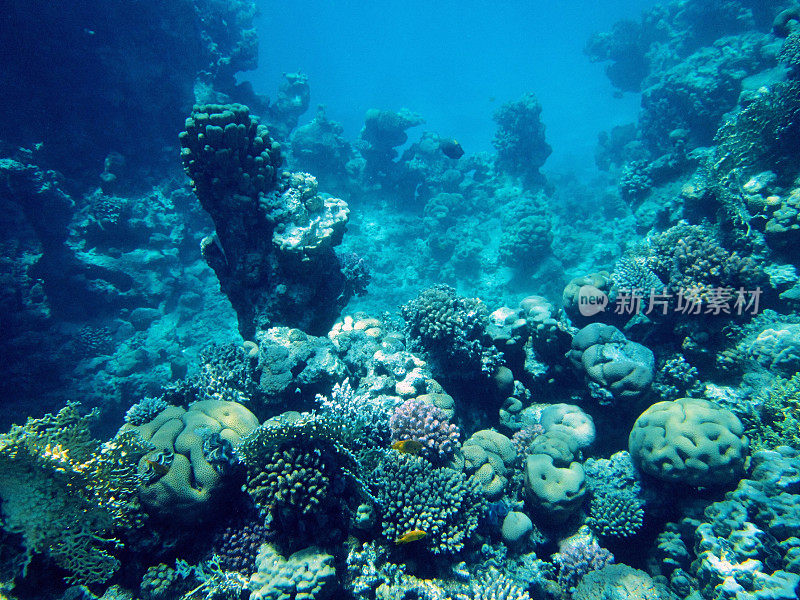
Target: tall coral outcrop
273, 247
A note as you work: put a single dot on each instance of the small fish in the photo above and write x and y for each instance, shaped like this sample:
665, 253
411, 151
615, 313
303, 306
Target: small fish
407, 446
451, 148
157, 467
411, 536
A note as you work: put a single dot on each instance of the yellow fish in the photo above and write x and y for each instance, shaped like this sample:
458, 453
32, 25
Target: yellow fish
407, 446
157, 467
410, 536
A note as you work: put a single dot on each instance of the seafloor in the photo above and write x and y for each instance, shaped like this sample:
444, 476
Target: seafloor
251, 359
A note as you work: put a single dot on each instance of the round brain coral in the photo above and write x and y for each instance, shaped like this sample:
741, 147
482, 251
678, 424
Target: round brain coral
690, 441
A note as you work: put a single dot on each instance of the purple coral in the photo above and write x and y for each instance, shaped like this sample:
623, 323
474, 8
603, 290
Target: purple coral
238, 545
579, 556
427, 424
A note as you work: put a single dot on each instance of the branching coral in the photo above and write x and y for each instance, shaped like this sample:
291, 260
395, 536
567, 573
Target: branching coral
778, 417
413, 496
451, 329
427, 424
67, 493
300, 475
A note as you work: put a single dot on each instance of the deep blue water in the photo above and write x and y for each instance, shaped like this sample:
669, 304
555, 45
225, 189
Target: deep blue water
453, 62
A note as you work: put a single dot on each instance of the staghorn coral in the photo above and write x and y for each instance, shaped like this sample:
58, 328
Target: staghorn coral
413, 495
365, 421
67, 493
421, 421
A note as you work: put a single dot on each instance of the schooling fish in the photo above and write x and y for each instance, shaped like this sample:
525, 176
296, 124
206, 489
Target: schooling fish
411, 536
451, 148
407, 446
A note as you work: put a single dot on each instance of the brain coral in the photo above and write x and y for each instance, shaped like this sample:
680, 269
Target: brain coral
187, 463
489, 455
689, 441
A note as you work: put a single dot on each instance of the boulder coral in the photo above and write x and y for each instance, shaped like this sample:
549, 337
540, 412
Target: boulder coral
616, 368
308, 574
689, 441
489, 457
192, 450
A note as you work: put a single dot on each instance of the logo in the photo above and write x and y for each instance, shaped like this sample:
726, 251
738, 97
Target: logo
591, 300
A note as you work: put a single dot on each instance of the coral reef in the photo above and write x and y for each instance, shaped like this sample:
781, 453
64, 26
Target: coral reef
272, 249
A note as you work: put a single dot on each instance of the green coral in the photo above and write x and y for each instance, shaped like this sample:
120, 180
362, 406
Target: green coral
194, 449
67, 493
159, 582
414, 495
299, 474
777, 421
